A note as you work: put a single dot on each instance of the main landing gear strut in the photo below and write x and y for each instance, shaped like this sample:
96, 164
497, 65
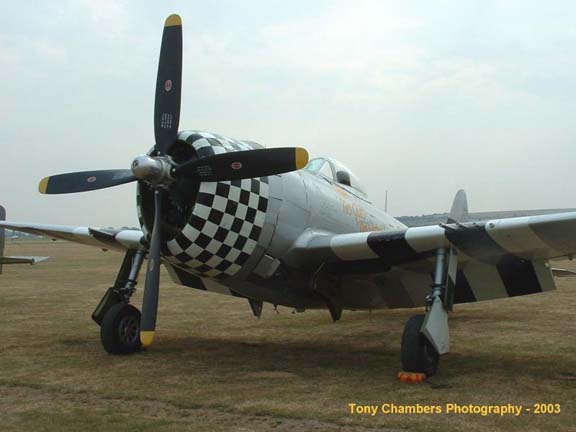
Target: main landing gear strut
426, 337
119, 321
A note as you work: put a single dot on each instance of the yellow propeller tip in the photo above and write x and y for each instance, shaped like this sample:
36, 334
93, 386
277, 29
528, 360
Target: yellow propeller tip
173, 20
146, 337
301, 158
43, 185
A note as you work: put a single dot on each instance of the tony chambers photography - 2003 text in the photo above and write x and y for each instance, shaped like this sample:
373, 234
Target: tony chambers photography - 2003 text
516, 410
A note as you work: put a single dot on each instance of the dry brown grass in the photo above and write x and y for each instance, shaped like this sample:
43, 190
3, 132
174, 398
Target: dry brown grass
214, 367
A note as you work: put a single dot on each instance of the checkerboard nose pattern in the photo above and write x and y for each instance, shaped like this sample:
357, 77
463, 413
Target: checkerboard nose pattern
226, 220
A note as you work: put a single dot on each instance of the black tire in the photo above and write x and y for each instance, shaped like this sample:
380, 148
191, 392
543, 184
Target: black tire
418, 354
120, 329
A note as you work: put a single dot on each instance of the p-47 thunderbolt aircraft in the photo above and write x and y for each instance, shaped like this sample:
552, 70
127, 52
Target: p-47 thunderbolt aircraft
270, 226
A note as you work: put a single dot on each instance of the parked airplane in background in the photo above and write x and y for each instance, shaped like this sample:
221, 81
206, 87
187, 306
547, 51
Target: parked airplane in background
13, 259
270, 226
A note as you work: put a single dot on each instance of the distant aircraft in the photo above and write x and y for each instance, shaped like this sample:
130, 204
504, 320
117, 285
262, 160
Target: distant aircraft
268, 225
14, 259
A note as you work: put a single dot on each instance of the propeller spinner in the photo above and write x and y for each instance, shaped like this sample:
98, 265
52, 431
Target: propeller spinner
158, 170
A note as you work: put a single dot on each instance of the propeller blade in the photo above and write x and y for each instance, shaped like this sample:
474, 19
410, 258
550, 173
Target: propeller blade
152, 285
168, 85
84, 181
244, 164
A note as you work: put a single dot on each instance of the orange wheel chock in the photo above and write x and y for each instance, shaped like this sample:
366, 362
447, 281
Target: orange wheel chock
412, 377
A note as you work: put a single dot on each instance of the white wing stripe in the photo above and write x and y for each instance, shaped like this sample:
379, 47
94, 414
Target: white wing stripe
352, 247
515, 235
426, 238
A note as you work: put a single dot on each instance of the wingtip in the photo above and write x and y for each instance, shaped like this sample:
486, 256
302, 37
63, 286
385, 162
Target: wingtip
173, 20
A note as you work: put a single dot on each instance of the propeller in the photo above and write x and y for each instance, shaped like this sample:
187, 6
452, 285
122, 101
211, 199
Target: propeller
168, 86
159, 171
243, 164
166, 120
84, 181
152, 285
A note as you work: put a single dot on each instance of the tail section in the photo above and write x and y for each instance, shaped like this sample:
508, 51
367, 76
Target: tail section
459, 210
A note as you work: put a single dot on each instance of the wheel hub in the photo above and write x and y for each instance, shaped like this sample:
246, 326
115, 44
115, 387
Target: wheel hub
129, 329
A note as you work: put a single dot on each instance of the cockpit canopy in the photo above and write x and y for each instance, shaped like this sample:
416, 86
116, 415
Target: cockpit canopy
336, 172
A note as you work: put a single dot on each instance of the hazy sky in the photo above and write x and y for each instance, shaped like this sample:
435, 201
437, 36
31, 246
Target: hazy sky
417, 97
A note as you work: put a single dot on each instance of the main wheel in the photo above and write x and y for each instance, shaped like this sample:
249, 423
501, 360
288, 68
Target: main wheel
418, 354
120, 329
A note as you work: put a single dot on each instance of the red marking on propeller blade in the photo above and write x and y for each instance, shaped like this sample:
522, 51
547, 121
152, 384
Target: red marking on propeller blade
236, 165
168, 85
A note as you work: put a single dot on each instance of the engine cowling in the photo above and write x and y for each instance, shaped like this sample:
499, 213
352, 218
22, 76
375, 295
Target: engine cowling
208, 228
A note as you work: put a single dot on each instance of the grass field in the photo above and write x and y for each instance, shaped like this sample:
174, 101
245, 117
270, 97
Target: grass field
214, 367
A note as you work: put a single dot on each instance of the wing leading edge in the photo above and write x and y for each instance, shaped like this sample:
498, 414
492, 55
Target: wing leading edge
118, 239
533, 237
497, 258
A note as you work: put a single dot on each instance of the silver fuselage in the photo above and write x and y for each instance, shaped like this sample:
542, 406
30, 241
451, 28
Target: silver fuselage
303, 204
